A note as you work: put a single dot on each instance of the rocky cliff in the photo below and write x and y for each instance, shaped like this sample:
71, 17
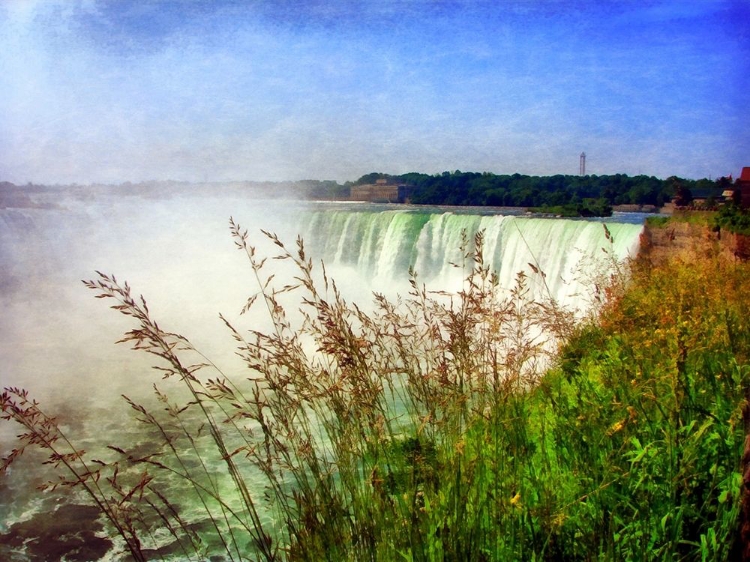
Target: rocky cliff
658, 243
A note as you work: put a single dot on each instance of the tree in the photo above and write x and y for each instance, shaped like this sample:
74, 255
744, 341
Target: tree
683, 196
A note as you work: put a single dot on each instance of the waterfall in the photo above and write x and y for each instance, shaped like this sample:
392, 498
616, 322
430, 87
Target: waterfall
178, 253
382, 246
57, 341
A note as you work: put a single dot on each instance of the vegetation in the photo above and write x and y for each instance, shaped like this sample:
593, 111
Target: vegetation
438, 427
730, 217
566, 195
517, 190
586, 208
658, 221
705, 219
733, 218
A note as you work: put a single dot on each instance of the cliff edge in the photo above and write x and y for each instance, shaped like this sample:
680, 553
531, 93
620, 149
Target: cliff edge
662, 241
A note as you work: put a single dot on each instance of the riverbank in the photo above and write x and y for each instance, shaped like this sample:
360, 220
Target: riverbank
690, 234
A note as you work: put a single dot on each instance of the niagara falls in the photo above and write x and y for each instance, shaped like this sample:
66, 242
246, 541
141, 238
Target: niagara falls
374, 281
191, 275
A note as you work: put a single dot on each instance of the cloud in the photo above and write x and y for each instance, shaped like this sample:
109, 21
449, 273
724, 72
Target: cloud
116, 91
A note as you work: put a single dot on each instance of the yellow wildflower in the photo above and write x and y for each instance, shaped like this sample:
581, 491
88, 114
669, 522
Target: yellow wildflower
616, 427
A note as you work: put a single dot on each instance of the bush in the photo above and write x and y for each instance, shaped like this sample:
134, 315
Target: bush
734, 219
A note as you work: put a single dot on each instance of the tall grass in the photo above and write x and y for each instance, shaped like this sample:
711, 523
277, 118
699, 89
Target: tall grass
466, 426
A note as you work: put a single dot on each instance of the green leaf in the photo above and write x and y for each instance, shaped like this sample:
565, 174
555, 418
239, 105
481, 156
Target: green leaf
664, 522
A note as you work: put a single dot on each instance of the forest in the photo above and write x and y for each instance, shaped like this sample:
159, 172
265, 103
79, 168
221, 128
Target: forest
517, 190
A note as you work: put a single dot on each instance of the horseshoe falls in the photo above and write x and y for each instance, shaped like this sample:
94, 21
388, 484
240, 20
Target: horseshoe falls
57, 341
178, 253
562, 258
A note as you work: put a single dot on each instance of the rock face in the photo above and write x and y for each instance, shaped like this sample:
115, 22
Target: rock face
741, 247
662, 242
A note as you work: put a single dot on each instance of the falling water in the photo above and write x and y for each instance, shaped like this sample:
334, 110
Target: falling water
57, 341
382, 246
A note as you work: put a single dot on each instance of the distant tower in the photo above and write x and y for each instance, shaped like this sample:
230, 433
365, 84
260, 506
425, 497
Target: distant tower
582, 168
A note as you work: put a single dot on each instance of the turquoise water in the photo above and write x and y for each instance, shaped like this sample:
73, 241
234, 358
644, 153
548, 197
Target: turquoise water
383, 245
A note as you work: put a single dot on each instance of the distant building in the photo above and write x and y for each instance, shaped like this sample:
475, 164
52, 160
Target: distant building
743, 184
382, 191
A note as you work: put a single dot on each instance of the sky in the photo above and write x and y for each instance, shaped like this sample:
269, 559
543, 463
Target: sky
112, 91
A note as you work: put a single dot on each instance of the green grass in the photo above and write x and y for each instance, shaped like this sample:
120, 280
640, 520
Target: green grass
432, 428
700, 218
656, 221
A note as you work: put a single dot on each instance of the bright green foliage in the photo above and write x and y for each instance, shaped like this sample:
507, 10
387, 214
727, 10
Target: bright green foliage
517, 190
658, 221
585, 208
705, 219
644, 421
733, 219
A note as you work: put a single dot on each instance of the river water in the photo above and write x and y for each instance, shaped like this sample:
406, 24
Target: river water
57, 341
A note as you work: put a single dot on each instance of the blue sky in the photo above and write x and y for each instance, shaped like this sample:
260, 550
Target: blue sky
114, 91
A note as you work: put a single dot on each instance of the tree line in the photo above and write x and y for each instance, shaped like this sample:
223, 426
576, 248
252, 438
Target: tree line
562, 194
518, 190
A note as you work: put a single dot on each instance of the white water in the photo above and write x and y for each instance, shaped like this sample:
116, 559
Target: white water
381, 246
57, 341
